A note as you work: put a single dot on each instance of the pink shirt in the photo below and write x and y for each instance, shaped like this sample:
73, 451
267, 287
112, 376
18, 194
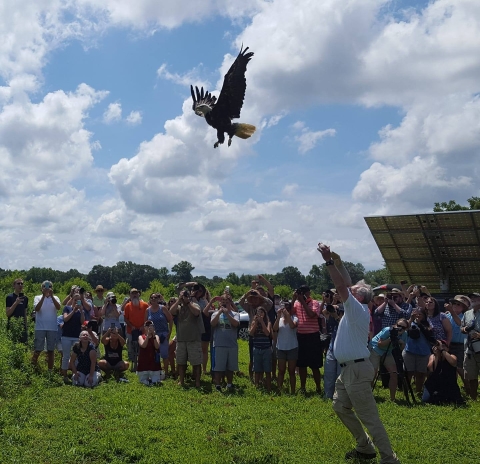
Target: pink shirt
307, 324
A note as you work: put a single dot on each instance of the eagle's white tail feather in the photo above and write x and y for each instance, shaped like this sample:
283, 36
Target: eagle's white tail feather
244, 131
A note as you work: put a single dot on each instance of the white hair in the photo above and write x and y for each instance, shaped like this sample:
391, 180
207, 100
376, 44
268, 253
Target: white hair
364, 290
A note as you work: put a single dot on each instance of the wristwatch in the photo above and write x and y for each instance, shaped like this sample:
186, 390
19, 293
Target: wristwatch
330, 262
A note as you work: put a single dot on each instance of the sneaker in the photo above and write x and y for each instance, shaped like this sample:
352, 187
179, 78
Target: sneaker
123, 379
218, 388
66, 380
354, 454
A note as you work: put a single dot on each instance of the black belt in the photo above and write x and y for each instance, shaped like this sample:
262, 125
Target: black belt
355, 361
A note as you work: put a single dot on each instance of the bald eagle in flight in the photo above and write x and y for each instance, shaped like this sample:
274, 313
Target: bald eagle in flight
219, 113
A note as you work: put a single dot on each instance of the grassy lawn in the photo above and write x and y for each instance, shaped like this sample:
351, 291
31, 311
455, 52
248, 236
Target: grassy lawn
48, 422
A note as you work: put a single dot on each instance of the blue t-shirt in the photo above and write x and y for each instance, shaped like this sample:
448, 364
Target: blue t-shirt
383, 335
418, 346
457, 336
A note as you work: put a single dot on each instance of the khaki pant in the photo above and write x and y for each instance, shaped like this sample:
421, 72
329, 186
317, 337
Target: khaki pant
353, 389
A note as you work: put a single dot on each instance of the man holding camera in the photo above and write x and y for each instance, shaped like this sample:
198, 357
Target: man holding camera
353, 387
471, 327
16, 307
225, 321
393, 308
110, 312
46, 306
310, 352
189, 336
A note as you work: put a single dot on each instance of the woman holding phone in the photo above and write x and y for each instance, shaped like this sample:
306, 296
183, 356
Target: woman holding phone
73, 319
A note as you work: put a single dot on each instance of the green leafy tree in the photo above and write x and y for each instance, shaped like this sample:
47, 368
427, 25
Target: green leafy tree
164, 275
182, 272
318, 279
452, 205
378, 277
356, 271
40, 274
121, 289
101, 275
291, 276
233, 278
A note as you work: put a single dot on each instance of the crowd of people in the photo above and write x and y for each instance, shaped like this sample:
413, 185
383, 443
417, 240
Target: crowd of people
436, 342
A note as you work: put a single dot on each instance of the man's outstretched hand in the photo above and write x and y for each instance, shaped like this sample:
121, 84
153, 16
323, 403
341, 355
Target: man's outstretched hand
325, 251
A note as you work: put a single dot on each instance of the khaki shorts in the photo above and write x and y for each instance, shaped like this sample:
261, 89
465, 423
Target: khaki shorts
388, 362
189, 352
471, 366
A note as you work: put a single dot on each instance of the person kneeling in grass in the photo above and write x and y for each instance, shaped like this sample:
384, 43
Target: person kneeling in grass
83, 362
148, 368
262, 350
224, 322
113, 343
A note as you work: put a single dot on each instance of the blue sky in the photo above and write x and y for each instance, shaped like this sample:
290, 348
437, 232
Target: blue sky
362, 107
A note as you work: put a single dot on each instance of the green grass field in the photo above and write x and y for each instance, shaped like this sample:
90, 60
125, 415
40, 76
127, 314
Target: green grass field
44, 421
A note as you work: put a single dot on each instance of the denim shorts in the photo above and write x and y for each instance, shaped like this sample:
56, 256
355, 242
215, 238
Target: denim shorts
41, 335
262, 359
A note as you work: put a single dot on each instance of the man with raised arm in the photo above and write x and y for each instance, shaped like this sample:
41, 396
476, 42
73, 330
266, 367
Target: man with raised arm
353, 387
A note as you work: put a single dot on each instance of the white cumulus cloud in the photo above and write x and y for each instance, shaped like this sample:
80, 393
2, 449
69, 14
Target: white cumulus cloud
113, 113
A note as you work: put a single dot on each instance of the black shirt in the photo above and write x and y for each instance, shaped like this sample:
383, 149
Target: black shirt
21, 308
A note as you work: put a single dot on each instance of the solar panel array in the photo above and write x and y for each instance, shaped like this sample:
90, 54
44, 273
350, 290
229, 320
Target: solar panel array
428, 248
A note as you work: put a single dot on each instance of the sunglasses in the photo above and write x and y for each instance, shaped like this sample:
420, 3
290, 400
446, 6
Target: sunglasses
19, 283
402, 327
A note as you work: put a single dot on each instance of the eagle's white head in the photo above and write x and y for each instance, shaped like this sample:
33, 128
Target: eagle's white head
202, 110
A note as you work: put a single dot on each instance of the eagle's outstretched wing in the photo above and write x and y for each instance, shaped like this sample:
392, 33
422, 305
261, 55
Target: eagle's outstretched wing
231, 97
201, 98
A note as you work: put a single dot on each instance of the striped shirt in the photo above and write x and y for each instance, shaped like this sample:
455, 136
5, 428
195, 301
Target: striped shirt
307, 324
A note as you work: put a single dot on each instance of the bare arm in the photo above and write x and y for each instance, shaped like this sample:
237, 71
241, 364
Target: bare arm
174, 308
214, 321
340, 283
270, 289
447, 325
234, 322
342, 270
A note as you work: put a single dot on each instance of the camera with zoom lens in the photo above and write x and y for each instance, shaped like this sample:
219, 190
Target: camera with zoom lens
330, 308
186, 294
414, 332
394, 334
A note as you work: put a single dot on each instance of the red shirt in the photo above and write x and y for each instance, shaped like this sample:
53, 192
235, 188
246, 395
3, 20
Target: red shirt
307, 324
146, 357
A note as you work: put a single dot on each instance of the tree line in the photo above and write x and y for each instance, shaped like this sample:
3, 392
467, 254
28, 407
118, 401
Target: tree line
141, 275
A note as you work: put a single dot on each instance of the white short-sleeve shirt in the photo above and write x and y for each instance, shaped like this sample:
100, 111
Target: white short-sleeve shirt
352, 333
46, 318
